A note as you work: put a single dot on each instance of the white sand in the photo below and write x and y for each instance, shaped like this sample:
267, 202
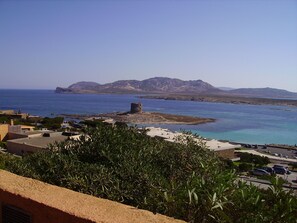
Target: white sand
170, 136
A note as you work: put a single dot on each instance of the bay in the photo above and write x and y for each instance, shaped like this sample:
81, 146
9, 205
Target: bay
256, 124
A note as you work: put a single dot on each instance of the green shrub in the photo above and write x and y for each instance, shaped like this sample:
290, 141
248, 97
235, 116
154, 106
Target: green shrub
4, 119
255, 159
3, 145
52, 123
7, 159
244, 167
293, 165
182, 180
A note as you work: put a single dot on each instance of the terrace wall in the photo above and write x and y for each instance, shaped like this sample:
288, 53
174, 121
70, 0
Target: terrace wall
40, 202
3, 131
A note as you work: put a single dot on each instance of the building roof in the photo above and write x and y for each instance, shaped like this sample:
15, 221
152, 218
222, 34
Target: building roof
27, 126
31, 133
7, 112
41, 141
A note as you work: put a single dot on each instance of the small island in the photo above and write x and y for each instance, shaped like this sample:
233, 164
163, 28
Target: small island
137, 116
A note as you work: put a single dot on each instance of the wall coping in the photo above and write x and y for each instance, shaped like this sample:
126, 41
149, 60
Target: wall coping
77, 204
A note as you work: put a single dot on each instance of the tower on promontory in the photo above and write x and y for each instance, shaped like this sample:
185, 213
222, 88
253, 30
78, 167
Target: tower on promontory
136, 108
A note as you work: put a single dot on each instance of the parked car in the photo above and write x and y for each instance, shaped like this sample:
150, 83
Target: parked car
268, 169
276, 165
260, 172
281, 169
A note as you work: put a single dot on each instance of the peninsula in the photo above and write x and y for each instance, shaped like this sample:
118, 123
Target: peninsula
231, 99
194, 90
136, 115
145, 118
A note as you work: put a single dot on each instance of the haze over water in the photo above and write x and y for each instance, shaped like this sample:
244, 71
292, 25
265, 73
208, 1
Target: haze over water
242, 123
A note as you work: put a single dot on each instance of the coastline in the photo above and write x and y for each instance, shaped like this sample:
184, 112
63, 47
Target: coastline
145, 118
239, 123
211, 98
152, 119
212, 144
219, 145
225, 99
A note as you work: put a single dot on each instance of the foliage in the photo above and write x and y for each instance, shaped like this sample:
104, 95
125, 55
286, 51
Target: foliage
293, 165
95, 123
243, 167
52, 123
255, 159
272, 205
4, 119
22, 122
182, 180
2, 145
7, 159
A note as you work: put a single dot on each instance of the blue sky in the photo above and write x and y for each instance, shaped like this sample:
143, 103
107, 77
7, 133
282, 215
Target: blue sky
239, 43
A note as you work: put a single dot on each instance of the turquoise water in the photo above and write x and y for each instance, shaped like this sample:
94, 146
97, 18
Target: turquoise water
240, 123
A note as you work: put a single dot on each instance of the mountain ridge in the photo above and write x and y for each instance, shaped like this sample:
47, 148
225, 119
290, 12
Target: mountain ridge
264, 92
165, 85
151, 85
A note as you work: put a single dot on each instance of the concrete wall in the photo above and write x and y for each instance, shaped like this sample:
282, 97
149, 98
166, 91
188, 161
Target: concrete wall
46, 203
37, 211
21, 149
13, 135
3, 131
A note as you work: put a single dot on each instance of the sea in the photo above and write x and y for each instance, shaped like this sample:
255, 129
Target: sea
253, 124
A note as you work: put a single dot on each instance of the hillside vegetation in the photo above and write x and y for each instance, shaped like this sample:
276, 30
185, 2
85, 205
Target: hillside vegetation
182, 180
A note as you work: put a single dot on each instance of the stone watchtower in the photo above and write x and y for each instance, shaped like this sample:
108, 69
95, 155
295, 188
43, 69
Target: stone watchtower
136, 108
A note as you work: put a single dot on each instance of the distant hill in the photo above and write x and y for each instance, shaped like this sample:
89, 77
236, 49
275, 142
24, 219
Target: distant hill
226, 88
151, 85
165, 85
264, 92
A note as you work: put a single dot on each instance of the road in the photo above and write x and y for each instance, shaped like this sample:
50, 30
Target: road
278, 152
269, 152
268, 155
264, 184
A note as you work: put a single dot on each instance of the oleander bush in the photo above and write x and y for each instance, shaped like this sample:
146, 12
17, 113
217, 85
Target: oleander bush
183, 180
7, 159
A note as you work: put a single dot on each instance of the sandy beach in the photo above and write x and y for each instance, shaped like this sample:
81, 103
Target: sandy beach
212, 144
168, 135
